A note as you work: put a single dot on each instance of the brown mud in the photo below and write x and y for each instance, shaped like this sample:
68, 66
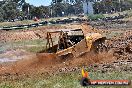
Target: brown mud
44, 62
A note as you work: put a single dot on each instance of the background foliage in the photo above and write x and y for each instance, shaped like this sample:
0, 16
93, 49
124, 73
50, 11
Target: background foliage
11, 10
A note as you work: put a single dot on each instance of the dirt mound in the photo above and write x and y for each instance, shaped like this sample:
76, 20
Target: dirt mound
19, 35
92, 58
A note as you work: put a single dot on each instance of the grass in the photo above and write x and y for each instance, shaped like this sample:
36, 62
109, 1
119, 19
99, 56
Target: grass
29, 45
65, 80
2, 24
35, 49
129, 12
96, 16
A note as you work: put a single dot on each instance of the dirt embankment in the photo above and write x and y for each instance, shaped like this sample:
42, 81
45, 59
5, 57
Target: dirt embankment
32, 34
19, 35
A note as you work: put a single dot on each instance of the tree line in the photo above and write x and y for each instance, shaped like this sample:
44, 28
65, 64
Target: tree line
11, 10
19, 9
108, 6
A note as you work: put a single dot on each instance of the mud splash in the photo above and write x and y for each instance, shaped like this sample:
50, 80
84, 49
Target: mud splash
31, 63
42, 62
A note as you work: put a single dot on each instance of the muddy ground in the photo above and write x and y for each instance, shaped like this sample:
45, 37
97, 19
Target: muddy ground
119, 55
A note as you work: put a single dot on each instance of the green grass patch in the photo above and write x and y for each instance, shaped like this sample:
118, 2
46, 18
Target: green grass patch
38, 42
2, 24
29, 45
95, 16
35, 49
66, 80
36, 45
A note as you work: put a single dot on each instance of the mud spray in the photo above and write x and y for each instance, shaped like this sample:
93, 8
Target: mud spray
43, 62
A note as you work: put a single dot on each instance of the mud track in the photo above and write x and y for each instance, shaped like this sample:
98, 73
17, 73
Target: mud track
42, 62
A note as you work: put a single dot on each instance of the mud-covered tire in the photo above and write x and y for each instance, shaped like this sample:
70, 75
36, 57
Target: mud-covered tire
100, 48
